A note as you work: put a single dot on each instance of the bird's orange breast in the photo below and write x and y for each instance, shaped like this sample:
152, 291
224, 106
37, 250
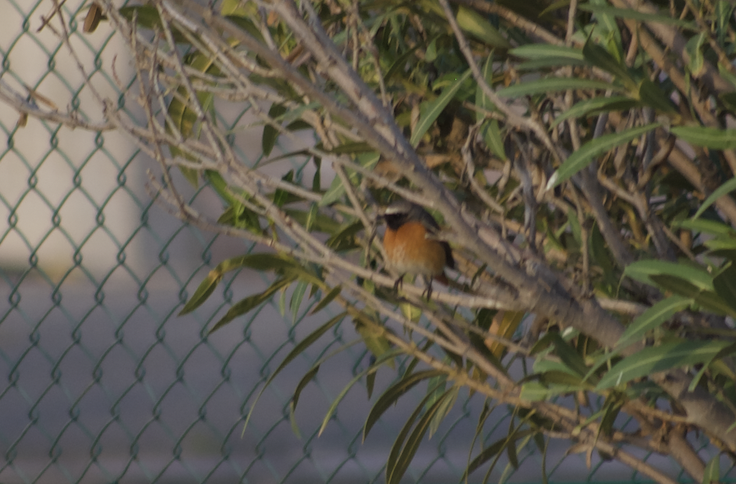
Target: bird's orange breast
410, 251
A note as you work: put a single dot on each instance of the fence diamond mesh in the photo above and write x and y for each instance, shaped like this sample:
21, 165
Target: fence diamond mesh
102, 382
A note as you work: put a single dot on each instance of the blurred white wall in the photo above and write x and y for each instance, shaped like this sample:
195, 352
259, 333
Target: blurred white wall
58, 185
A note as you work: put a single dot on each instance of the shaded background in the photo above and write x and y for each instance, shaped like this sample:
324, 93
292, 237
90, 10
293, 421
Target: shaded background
101, 382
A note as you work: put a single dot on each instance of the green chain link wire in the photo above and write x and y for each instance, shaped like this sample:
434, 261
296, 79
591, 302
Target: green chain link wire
103, 383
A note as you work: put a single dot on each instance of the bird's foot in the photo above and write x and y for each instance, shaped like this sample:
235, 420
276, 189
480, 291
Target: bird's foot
428, 290
399, 283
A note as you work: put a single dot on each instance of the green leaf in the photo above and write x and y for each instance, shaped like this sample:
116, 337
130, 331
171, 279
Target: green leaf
707, 299
653, 95
431, 110
656, 359
401, 455
306, 343
333, 407
600, 253
271, 133
148, 18
643, 270
663, 18
370, 382
319, 222
218, 183
718, 245
392, 394
601, 58
569, 356
652, 318
724, 189
611, 409
495, 449
329, 297
204, 291
729, 100
296, 351
337, 190
705, 226
585, 155
296, 299
344, 239
448, 400
712, 473
183, 118
534, 391
547, 62
240, 18
245, 305
596, 105
257, 261
373, 338
694, 49
715, 138
481, 99
725, 285
543, 51
492, 136
308, 376
355, 148
477, 26
282, 197
553, 84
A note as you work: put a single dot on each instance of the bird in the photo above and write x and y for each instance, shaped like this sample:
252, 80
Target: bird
411, 244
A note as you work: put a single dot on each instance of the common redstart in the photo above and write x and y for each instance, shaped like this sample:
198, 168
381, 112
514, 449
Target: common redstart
411, 244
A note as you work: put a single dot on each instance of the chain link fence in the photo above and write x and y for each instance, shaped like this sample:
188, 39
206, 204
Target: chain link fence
102, 382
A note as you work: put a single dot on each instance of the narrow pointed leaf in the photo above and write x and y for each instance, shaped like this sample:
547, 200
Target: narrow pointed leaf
245, 305
596, 105
479, 27
724, 189
327, 299
600, 57
204, 291
595, 147
543, 51
707, 226
430, 111
653, 95
306, 343
652, 318
371, 369
663, 18
725, 285
298, 349
554, 84
403, 455
444, 408
707, 299
481, 99
296, 299
270, 132
656, 359
716, 138
492, 137
308, 376
337, 190
643, 270
392, 394
712, 473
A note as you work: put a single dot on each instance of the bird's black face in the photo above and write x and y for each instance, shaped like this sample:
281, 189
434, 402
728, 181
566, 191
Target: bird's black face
394, 220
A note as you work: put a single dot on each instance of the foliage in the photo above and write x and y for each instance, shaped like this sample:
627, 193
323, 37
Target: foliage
576, 153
